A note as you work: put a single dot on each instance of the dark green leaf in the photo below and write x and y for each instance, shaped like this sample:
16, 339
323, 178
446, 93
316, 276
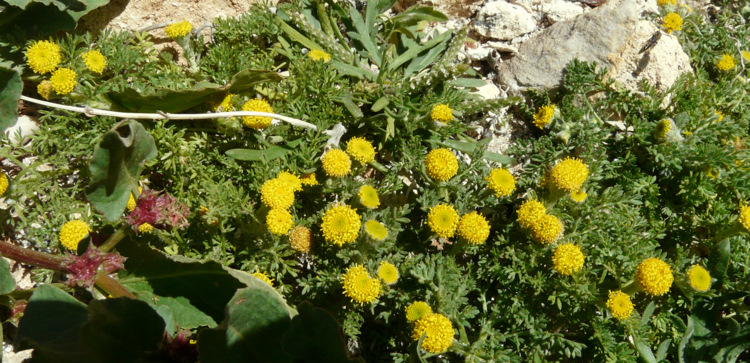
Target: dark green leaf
661, 353
314, 337
647, 313
718, 261
7, 282
10, 92
245, 80
39, 18
645, 351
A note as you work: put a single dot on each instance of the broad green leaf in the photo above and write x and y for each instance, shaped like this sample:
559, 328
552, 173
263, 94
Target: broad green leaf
417, 13
682, 349
364, 36
7, 282
645, 351
661, 352
350, 106
297, 37
719, 260
245, 80
314, 337
350, 70
116, 166
730, 349
272, 153
415, 49
647, 313
10, 92
39, 18
379, 104
183, 314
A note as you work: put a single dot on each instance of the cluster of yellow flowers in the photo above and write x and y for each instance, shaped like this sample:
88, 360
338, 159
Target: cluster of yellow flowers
278, 194
45, 57
436, 328
545, 228
726, 62
444, 221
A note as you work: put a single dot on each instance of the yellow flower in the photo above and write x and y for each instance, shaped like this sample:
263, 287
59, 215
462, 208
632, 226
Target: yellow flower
666, 2
361, 150
530, 212
277, 194
3, 183
547, 229
654, 276
131, 201
63, 80
441, 164
719, 114
726, 62
72, 233
263, 277
544, 116
359, 286
745, 55
317, 54
309, 179
44, 89
291, 180
699, 278
369, 196
619, 304
501, 182
443, 220
178, 29
442, 112
745, 217
438, 332
95, 61
43, 56
376, 230
257, 122
569, 174
336, 163
226, 104
388, 273
301, 239
417, 310
672, 21
145, 228
578, 196
279, 221
567, 259
341, 225
474, 228
662, 129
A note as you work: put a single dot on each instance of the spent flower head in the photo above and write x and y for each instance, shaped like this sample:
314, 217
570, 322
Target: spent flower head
44, 89
300, 238
82, 270
161, 210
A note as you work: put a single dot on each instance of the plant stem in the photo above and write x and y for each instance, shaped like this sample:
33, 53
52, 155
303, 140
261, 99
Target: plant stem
113, 239
27, 256
111, 286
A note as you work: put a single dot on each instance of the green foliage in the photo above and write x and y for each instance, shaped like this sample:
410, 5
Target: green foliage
40, 18
10, 93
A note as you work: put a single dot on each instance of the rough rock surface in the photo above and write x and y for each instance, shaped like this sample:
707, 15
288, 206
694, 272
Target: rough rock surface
503, 21
560, 10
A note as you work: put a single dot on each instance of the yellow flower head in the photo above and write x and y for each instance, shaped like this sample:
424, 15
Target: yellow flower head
547, 229
257, 122
672, 21
290, 179
3, 183
309, 179
178, 29
361, 150
336, 163
301, 239
226, 104
417, 310
279, 221
666, 2
132, 202
317, 54
341, 225
277, 194
569, 174
95, 61
699, 278
442, 112
745, 55
44, 89
63, 80
579, 196
72, 233
662, 129
530, 212
619, 304
745, 217
388, 272
726, 62
264, 277
43, 56
145, 228
501, 182
359, 286
443, 220
438, 332
654, 276
369, 196
544, 116
474, 228
376, 230
441, 164
719, 114
568, 259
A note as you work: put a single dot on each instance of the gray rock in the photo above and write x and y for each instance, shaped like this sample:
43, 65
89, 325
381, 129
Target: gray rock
561, 10
503, 21
24, 127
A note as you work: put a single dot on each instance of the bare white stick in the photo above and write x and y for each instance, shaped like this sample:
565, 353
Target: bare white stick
169, 116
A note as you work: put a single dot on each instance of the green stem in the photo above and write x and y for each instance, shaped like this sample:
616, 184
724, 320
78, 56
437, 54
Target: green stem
631, 288
114, 239
30, 257
378, 166
111, 286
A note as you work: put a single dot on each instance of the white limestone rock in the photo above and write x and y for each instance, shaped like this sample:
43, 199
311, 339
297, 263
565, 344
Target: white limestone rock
503, 21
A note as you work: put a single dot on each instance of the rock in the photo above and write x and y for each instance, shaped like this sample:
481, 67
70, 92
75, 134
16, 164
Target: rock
479, 53
589, 37
559, 10
488, 91
503, 21
503, 47
24, 127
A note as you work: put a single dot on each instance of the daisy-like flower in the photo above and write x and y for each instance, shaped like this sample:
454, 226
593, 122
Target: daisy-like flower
699, 278
145, 228
438, 332
745, 217
95, 61
44, 89
277, 194
257, 122
369, 196
530, 212
417, 310
63, 80
579, 196
501, 181
388, 273
279, 221
361, 150
43, 56
441, 164
654, 276
547, 229
3, 183
569, 174
336, 163
72, 233
441, 112
474, 228
341, 225
544, 116
317, 54
300, 238
264, 277
726, 62
178, 29
619, 304
290, 179
443, 220
309, 179
376, 230
568, 259
672, 21
359, 286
